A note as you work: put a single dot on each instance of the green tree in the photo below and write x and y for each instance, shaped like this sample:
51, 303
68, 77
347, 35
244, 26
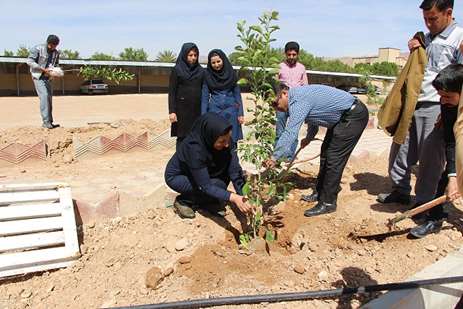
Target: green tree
101, 56
69, 54
115, 75
167, 56
132, 54
8, 53
259, 64
22, 52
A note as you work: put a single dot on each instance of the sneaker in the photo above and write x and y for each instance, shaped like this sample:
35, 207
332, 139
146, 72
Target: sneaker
426, 228
47, 126
184, 210
393, 197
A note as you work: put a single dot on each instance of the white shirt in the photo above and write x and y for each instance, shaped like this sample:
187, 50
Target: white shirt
442, 51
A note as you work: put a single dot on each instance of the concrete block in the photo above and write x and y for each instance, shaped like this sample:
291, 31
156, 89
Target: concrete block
432, 297
109, 207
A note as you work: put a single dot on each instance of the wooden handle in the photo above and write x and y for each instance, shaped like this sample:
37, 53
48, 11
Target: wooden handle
412, 212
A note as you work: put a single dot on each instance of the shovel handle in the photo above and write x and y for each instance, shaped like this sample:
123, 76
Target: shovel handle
412, 212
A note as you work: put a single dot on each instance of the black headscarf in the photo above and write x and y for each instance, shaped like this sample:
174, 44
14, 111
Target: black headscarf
197, 149
223, 79
183, 68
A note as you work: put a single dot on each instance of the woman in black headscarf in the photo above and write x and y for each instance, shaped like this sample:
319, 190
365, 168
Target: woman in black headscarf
221, 93
203, 166
185, 85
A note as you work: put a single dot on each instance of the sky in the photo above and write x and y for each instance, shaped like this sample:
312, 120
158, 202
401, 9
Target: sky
327, 28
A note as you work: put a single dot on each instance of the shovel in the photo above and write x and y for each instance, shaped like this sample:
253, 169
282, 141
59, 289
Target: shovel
391, 223
412, 212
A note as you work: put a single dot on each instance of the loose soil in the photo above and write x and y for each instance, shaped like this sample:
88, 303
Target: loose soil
201, 258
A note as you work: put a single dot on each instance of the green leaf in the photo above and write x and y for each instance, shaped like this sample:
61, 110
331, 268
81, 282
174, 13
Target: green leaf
246, 189
269, 236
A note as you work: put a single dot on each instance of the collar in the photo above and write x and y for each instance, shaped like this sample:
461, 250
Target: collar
448, 31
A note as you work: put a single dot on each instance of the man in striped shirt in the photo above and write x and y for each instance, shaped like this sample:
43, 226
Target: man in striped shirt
343, 115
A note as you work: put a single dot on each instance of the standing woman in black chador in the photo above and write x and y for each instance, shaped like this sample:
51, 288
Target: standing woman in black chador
202, 168
221, 93
185, 85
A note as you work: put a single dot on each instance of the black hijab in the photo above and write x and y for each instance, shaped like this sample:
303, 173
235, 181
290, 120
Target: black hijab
183, 68
197, 149
223, 79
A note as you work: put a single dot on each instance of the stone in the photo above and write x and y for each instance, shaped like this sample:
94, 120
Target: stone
184, 260
323, 276
26, 294
169, 271
181, 244
299, 269
154, 277
67, 158
431, 248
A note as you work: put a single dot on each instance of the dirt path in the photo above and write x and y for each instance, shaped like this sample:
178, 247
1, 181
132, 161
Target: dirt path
200, 257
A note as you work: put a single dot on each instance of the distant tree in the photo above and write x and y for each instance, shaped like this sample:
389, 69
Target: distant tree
69, 54
22, 52
379, 68
166, 56
8, 53
115, 75
134, 54
101, 56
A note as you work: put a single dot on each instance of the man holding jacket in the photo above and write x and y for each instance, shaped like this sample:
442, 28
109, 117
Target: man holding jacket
425, 142
41, 59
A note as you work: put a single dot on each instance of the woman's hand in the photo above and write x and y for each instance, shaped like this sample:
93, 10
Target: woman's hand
241, 119
173, 117
241, 203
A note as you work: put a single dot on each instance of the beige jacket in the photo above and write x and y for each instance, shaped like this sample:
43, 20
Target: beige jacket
395, 115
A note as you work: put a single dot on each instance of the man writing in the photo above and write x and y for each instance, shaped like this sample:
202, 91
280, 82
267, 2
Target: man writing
344, 116
41, 59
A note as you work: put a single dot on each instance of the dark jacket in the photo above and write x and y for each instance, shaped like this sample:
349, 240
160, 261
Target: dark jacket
185, 101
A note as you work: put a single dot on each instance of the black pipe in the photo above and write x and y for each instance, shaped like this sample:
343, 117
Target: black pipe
285, 297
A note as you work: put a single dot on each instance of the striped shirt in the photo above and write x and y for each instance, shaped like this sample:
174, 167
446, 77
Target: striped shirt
317, 105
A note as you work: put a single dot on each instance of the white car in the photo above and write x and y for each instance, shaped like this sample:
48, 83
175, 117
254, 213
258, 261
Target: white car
94, 86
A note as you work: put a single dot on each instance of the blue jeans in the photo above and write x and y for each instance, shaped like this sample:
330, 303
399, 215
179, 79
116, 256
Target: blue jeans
44, 90
282, 118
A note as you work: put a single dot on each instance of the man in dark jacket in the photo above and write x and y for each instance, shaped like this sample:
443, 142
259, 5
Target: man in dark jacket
448, 84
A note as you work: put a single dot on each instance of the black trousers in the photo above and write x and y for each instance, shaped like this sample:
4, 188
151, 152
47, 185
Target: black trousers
339, 142
190, 194
179, 141
437, 213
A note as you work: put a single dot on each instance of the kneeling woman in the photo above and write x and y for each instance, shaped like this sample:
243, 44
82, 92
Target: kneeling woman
203, 166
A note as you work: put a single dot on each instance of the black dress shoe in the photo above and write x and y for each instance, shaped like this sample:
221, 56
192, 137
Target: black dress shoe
426, 228
320, 209
55, 125
393, 197
310, 197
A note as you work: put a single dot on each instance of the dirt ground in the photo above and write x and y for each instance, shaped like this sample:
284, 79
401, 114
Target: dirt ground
200, 258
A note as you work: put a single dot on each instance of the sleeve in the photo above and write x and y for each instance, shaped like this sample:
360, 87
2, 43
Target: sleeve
173, 80
33, 58
204, 98
236, 173
449, 117
297, 115
239, 100
203, 180
305, 80
57, 59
